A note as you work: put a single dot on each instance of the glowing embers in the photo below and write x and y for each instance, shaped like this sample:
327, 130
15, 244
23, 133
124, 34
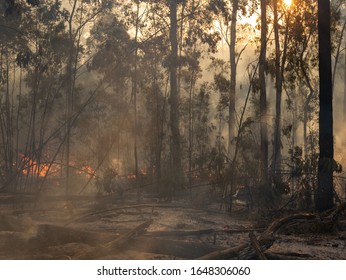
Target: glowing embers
85, 169
29, 166
131, 176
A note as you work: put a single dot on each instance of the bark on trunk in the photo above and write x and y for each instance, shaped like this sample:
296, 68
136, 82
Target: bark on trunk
324, 193
263, 95
174, 98
233, 65
344, 115
276, 165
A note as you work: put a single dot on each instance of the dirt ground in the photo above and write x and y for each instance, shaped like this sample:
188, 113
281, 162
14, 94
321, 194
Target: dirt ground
109, 227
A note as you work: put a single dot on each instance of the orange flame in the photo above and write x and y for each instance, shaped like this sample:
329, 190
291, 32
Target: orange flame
86, 169
131, 176
32, 167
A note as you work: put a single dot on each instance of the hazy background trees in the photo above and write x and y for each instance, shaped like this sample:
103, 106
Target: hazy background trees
168, 94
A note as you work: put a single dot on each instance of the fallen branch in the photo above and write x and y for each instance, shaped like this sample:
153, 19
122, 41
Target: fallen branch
308, 222
179, 233
51, 235
244, 251
174, 248
153, 206
241, 230
288, 256
256, 246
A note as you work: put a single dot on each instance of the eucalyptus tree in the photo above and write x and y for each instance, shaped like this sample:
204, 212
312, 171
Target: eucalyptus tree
197, 41
281, 26
233, 78
324, 196
176, 153
229, 13
37, 32
279, 79
263, 93
110, 65
181, 31
300, 69
81, 14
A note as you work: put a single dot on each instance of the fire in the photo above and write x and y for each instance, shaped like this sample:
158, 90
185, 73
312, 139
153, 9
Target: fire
131, 176
143, 172
86, 169
29, 166
32, 167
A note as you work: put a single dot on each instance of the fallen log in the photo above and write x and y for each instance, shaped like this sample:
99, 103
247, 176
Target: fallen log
175, 248
179, 233
256, 246
14, 223
153, 206
53, 235
13, 244
244, 251
240, 230
288, 256
306, 222
117, 244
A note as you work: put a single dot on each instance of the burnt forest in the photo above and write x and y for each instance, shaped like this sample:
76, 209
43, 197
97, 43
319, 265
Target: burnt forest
172, 129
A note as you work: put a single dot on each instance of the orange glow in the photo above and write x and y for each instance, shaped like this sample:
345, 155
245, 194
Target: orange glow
288, 3
86, 169
32, 167
131, 176
143, 172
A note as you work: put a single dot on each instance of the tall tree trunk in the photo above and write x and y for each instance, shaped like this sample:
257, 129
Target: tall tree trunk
263, 95
191, 147
134, 94
305, 130
69, 97
174, 98
344, 109
280, 61
233, 65
324, 199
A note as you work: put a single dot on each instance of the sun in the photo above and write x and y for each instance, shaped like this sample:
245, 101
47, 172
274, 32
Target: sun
288, 3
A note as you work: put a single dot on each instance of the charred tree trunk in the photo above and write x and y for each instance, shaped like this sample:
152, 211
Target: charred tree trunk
69, 97
134, 94
174, 98
263, 95
280, 60
324, 193
344, 115
233, 64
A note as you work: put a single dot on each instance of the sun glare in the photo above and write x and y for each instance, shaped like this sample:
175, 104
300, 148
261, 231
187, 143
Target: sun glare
287, 2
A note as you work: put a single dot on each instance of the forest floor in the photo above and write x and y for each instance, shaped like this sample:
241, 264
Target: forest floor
108, 227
